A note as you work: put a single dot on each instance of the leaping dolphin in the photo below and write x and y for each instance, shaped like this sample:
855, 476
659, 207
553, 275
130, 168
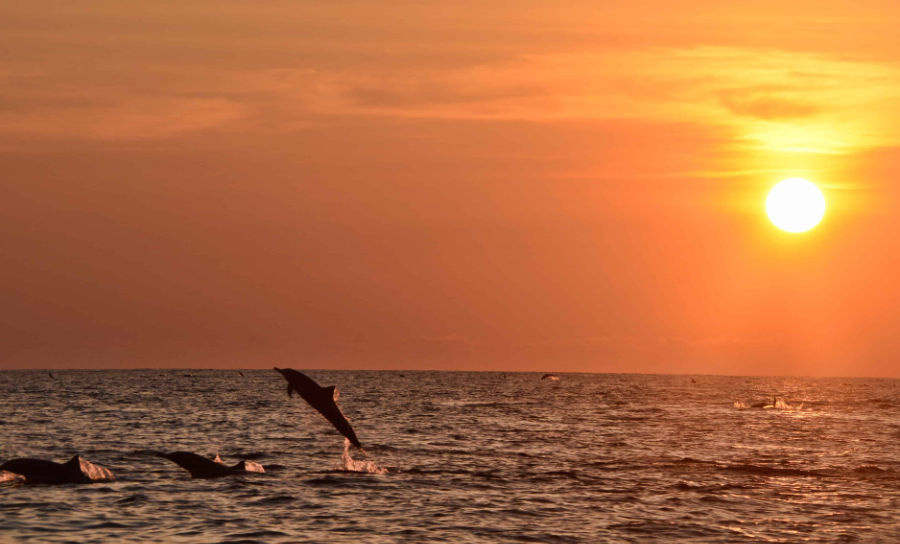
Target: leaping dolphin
201, 467
321, 398
75, 471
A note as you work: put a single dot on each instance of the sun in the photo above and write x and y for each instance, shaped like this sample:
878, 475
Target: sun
795, 205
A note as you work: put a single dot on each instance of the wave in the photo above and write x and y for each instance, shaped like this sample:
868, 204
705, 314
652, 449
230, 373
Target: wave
865, 471
136, 498
274, 500
762, 470
707, 488
871, 469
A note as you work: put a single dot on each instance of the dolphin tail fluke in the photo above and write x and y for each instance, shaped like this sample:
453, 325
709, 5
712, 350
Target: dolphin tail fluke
162, 454
352, 436
340, 423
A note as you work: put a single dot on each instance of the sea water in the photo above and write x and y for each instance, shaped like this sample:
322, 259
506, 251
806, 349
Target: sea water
458, 457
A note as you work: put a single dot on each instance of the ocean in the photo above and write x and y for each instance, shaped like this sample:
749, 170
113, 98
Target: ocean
457, 457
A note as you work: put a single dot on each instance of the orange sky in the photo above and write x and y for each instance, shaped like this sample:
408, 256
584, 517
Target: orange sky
448, 185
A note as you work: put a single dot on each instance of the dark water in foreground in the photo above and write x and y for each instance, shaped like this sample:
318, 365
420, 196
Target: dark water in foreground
471, 457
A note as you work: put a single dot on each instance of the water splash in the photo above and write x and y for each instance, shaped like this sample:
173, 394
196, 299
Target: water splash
94, 473
350, 464
10, 477
781, 404
777, 403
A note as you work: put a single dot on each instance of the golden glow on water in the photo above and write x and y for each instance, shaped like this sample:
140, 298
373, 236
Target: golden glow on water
694, 441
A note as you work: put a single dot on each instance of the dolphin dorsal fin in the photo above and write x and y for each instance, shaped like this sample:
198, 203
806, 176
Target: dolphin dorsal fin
333, 391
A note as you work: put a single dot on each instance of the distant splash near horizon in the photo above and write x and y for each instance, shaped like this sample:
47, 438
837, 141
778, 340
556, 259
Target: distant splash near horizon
779, 404
458, 457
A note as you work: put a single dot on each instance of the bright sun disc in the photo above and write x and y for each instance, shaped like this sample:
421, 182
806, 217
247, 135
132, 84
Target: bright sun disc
795, 205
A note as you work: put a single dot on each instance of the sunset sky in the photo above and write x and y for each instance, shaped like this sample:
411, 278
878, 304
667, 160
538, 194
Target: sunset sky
574, 186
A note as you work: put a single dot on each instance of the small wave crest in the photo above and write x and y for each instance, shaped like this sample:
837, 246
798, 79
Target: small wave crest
762, 470
350, 464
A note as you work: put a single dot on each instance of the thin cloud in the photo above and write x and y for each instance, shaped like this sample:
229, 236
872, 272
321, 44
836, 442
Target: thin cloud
149, 118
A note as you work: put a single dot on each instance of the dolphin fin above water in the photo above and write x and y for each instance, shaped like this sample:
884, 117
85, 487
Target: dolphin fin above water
322, 399
201, 467
75, 471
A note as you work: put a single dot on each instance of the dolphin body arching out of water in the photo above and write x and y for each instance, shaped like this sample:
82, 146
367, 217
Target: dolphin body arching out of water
201, 467
764, 405
321, 398
75, 471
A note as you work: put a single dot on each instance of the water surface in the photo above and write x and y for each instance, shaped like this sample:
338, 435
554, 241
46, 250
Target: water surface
470, 457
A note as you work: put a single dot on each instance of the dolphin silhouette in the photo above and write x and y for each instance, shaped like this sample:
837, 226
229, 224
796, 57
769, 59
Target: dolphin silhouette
76, 471
201, 467
321, 398
765, 404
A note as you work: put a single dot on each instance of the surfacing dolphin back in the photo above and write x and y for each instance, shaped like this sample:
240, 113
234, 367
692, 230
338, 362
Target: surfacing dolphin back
201, 467
76, 471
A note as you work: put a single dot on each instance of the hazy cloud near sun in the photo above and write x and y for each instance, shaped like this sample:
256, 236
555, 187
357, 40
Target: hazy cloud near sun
252, 69
774, 99
840, 105
768, 103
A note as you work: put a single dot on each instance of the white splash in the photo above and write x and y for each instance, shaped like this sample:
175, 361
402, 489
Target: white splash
10, 477
246, 466
781, 404
95, 473
251, 466
352, 465
777, 404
